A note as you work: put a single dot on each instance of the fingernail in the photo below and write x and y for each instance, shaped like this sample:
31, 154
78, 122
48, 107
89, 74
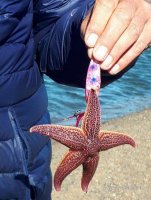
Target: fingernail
100, 53
92, 39
107, 62
115, 69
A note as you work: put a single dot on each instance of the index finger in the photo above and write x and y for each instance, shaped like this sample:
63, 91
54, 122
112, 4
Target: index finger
101, 14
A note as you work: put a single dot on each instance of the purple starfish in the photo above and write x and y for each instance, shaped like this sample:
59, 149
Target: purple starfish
84, 143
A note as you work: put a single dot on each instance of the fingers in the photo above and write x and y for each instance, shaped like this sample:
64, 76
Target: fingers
127, 39
101, 14
115, 38
90, 52
118, 23
134, 51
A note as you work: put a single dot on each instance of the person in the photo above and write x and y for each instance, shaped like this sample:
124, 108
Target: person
117, 32
52, 37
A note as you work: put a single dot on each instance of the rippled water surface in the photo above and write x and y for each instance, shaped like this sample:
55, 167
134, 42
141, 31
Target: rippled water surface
129, 94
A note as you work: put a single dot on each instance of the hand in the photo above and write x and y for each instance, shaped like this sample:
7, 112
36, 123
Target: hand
116, 32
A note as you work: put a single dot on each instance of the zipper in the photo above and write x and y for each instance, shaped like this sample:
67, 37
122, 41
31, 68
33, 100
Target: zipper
18, 138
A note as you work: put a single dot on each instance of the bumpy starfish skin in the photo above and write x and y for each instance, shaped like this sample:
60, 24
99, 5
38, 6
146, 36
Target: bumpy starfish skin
85, 143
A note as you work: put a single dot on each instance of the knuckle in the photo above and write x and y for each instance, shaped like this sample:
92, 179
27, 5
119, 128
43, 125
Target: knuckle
115, 53
124, 16
122, 62
139, 47
107, 4
94, 28
135, 30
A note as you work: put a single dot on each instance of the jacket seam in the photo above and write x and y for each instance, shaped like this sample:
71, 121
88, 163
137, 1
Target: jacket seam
18, 137
12, 73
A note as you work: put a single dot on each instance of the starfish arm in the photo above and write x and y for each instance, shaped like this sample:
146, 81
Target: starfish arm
110, 139
71, 161
89, 168
91, 119
71, 137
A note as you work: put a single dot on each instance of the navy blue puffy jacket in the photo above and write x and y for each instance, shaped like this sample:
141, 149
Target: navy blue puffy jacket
25, 158
47, 31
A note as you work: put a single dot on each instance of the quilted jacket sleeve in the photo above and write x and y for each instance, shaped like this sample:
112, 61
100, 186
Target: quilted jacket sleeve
61, 53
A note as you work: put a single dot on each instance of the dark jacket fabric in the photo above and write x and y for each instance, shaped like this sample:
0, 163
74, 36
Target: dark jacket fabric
25, 158
36, 37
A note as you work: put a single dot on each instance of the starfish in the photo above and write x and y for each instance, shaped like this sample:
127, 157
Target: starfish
84, 143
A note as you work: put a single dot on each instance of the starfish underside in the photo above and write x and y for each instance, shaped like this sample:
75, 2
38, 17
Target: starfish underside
84, 143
